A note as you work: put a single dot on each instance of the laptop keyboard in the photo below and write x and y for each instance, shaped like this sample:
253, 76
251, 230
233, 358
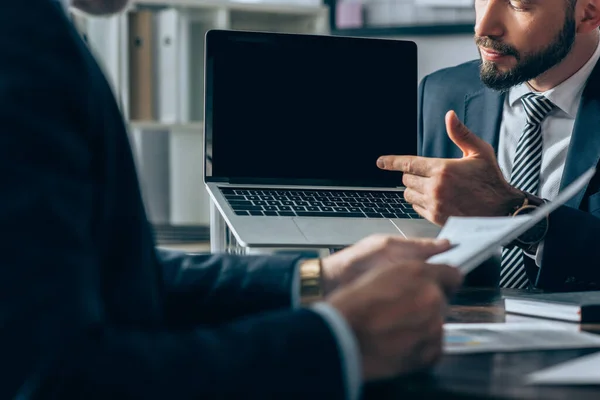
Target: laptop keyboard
319, 203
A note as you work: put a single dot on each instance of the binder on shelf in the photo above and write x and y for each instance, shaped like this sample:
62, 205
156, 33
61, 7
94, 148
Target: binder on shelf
167, 63
184, 52
103, 37
141, 65
154, 56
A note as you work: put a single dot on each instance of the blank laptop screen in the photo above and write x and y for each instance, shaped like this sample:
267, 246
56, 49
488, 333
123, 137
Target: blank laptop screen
302, 109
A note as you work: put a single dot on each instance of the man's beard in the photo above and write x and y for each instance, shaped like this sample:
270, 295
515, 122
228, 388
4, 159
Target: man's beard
529, 66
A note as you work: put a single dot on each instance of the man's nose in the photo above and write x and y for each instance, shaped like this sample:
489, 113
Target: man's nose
489, 19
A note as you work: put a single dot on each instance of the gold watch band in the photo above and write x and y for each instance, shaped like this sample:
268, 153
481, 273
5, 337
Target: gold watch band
528, 200
311, 285
530, 203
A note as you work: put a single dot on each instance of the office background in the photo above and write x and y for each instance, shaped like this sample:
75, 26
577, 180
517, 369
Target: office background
153, 55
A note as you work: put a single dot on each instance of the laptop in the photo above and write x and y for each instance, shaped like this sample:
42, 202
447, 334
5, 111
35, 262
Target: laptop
294, 125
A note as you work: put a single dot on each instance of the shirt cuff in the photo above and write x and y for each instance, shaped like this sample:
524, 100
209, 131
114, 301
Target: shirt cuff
348, 346
347, 343
537, 257
538, 254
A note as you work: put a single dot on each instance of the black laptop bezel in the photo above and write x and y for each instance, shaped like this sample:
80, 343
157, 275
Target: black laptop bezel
213, 37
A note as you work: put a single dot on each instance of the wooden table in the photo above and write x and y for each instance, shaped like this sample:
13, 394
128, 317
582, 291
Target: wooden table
486, 376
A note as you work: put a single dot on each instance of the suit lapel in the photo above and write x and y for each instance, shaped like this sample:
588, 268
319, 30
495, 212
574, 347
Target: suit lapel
584, 149
477, 115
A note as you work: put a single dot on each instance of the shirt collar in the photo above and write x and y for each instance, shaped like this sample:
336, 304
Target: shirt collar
565, 96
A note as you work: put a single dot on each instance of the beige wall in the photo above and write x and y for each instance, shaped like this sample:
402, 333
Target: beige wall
436, 52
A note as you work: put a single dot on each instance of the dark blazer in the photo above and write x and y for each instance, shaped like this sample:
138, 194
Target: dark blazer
88, 308
571, 258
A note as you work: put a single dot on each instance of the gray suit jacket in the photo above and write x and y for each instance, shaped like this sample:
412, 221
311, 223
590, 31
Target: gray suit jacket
571, 255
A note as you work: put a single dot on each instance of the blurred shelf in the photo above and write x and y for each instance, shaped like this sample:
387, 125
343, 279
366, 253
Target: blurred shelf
170, 156
200, 247
161, 126
166, 234
297, 9
421, 30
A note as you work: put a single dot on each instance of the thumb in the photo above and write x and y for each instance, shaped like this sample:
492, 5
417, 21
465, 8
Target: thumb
418, 248
449, 278
468, 142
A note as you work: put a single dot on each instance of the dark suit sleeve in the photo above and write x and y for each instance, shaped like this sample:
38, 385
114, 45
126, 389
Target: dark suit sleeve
262, 357
571, 251
57, 338
206, 288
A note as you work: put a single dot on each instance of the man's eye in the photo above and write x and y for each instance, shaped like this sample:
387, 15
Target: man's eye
518, 5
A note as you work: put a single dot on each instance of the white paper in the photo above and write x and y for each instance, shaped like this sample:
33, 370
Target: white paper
498, 337
471, 236
526, 319
475, 239
581, 371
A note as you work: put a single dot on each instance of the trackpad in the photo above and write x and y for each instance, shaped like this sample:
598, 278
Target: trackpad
343, 231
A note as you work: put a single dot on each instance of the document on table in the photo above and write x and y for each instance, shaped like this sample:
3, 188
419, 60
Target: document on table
525, 319
580, 371
476, 239
499, 337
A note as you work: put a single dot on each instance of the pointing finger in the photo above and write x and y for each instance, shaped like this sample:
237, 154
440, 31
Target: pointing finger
414, 165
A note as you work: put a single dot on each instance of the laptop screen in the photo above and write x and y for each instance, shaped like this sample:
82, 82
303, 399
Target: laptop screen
303, 109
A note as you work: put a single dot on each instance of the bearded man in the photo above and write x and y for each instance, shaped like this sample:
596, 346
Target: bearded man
500, 135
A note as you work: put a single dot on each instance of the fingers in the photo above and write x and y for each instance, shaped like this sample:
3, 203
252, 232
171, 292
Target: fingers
421, 303
414, 165
422, 211
420, 249
415, 198
414, 274
430, 349
414, 329
447, 277
402, 352
468, 142
429, 215
397, 315
414, 182
459, 134
396, 249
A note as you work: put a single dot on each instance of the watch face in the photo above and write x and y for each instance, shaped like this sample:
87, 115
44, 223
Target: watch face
535, 234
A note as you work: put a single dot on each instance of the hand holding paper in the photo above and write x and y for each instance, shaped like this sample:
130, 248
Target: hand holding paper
475, 239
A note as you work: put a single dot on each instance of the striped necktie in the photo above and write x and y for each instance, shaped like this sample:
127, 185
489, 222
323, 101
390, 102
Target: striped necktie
526, 177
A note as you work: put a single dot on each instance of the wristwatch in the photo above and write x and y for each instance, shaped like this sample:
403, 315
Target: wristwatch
530, 240
311, 281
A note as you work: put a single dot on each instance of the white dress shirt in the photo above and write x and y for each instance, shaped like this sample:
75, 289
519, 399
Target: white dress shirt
557, 129
345, 339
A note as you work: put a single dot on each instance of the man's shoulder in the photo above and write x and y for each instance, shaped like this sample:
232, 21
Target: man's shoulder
463, 78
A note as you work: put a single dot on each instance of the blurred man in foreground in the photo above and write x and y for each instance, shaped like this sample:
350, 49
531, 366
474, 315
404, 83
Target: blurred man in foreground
89, 309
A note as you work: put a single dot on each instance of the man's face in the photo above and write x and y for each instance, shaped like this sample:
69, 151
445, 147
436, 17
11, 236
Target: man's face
100, 7
519, 40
